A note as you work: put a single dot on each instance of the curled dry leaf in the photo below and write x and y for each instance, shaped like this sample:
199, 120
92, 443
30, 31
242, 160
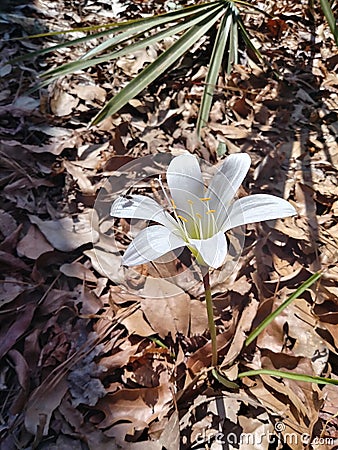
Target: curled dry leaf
242, 329
90, 303
80, 177
106, 264
67, 234
62, 103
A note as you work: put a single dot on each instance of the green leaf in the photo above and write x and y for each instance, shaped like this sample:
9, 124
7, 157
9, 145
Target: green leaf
233, 45
247, 39
327, 10
152, 22
160, 65
84, 63
214, 67
309, 282
221, 379
289, 375
113, 27
66, 44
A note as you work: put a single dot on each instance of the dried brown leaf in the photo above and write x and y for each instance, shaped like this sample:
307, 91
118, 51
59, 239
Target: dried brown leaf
136, 324
78, 270
62, 103
15, 327
67, 234
10, 289
168, 315
33, 244
135, 405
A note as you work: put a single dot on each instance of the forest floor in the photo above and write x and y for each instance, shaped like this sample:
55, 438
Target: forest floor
97, 357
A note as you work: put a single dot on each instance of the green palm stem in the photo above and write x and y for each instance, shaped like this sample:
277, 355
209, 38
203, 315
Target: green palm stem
211, 321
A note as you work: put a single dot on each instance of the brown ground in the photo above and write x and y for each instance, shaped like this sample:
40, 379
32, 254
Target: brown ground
86, 363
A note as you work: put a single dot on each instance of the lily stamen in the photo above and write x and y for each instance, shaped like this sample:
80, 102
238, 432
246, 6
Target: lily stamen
196, 228
182, 218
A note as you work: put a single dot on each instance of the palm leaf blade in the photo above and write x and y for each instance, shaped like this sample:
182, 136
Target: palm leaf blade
327, 10
85, 63
214, 67
156, 68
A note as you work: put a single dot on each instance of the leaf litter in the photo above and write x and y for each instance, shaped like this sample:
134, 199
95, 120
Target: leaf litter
88, 363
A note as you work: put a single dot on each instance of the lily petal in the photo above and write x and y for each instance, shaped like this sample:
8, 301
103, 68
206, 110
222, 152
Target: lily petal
256, 208
226, 182
142, 207
211, 251
150, 244
185, 181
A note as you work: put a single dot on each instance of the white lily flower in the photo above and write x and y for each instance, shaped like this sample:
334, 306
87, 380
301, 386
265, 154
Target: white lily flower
200, 216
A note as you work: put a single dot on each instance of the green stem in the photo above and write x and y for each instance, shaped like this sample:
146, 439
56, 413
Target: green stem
211, 322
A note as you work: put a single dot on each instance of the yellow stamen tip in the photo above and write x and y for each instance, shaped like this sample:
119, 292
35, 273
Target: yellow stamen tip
182, 218
173, 204
190, 202
198, 215
211, 211
205, 199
